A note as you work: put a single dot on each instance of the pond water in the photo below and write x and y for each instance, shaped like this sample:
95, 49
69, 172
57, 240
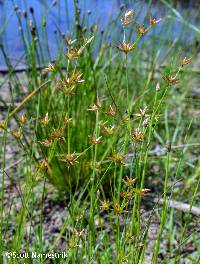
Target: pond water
59, 16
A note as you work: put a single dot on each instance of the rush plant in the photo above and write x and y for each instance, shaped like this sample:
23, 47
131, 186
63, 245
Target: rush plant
87, 129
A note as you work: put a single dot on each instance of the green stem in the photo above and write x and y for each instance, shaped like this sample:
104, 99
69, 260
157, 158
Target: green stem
164, 210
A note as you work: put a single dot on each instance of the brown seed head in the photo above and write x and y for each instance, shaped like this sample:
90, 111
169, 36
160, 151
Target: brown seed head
73, 53
186, 61
96, 106
127, 195
109, 130
137, 136
112, 111
75, 78
50, 68
127, 19
2, 124
23, 119
129, 181
70, 159
58, 134
142, 112
69, 42
105, 205
117, 158
118, 209
171, 80
47, 142
67, 120
142, 191
94, 140
44, 121
126, 47
43, 164
17, 134
66, 90
142, 30
68, 85
153, 21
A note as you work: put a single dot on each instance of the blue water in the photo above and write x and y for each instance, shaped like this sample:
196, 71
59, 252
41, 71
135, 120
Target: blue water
60, 17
